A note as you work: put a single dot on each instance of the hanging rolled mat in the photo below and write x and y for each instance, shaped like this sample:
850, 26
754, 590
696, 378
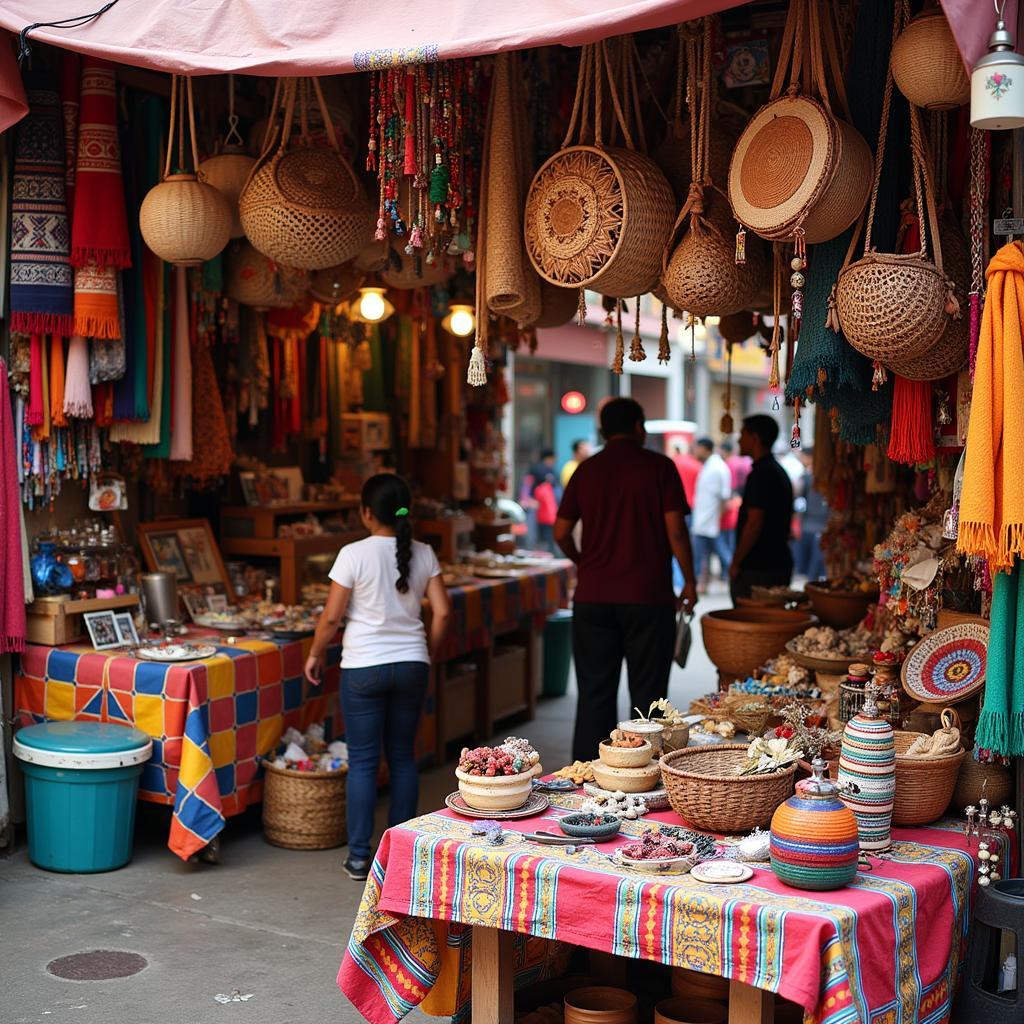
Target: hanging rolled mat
825, 366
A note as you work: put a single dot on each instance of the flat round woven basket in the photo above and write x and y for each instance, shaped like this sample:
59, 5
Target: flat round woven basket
304, 810
599, 218
947, 665
797, 165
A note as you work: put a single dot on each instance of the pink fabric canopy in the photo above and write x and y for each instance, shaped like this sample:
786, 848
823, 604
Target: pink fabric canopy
311, 37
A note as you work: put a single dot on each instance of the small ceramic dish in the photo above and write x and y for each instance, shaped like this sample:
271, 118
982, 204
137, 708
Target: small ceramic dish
586, 826
625, 757
667, 866
722, 872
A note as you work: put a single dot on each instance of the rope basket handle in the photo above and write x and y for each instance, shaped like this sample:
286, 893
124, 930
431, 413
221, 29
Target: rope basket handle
595, 75
182, 96
950, 719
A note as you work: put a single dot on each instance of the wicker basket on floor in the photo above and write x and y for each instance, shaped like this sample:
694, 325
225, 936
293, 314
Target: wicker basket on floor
924, 785
304, 810
705, 792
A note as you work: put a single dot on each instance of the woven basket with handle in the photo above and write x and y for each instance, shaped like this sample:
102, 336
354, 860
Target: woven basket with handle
892, 306
304, 206
796, 165
927, 65
701, 274
924, 785
598, 216
705, 792
304, 810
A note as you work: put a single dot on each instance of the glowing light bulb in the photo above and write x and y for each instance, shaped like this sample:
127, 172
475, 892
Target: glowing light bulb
372, 306
462, 321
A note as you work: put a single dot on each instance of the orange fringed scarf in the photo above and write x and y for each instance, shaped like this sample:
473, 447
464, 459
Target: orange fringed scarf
992, 502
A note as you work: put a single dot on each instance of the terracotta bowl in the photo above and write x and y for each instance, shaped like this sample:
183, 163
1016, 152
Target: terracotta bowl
495, 793
690, 1011
626, 780
625, 757
840, 609
600, 1005
650, 730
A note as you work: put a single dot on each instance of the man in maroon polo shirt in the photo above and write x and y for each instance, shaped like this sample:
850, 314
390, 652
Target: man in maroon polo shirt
631, 503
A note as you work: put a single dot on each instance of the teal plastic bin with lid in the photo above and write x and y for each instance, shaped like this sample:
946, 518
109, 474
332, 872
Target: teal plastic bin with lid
81, 783
557, 653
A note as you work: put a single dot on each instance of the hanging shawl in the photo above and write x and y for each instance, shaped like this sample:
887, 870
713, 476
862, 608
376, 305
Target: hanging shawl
12, 565
34, 411
181, 411
70, 88
57, 414
41, 276
1000, 728
99, 230
212, 459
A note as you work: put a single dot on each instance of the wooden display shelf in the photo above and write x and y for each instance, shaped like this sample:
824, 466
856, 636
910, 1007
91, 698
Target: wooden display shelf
291, 554
262, 521
52, 621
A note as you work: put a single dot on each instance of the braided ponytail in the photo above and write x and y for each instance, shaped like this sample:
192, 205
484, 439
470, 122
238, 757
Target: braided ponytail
387, 496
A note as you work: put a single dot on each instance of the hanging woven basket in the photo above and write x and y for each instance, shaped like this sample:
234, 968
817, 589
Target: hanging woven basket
254, 280
557, 305
796, 164
335, 285
598, 217
927, 66
184, 220
228, 172
304, 207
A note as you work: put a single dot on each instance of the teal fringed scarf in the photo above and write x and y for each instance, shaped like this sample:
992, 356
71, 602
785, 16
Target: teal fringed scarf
1001, 722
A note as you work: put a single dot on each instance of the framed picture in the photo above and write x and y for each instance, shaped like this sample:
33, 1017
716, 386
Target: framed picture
168, 556
102, 627
187, 548
250, 490
286, 484
195, 602
217, 602
126, 629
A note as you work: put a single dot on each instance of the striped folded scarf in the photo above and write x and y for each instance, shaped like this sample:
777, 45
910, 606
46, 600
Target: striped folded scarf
41, 276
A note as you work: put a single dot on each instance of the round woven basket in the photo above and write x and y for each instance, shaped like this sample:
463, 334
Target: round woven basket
797, 165
305, 207
228, 172
184, 220
254, 280
840, 609
705, 792
740, 640
994, 782
924, 785
927, 65
335, 285
557, 305
599, 219
304, 810
406, 271
701, 274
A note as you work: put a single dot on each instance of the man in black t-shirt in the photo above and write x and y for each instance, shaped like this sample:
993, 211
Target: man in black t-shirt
762, 556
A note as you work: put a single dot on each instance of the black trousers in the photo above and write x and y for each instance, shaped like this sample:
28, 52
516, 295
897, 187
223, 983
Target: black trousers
602, 635
747, 579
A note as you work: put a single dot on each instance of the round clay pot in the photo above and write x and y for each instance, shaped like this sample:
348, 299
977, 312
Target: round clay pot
626, 780
600, 1005
625, 757
690, 1011
649, 730
495, 793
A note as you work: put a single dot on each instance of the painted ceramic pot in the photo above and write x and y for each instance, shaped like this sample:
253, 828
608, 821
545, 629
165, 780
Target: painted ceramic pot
814, 838
867, 761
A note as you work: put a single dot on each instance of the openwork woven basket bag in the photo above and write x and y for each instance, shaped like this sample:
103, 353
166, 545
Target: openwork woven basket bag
797, 165
700, 274
894, 307
304, 207
599, 216
927, 66
255, 280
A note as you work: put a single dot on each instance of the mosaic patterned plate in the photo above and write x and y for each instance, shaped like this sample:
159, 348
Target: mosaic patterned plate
536, 804
947, 665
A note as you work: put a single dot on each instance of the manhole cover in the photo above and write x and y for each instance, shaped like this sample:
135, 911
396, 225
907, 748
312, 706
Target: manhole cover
97, 965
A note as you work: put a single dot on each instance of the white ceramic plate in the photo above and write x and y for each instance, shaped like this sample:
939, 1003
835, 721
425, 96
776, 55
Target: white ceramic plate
223, 622
176, 652
668, 866
722, 872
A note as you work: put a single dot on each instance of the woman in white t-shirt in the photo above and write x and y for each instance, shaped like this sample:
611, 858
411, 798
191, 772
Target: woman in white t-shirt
378, 585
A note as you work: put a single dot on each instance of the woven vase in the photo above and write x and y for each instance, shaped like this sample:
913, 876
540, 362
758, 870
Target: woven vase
228, 172
814, 838
927, 65
868, 760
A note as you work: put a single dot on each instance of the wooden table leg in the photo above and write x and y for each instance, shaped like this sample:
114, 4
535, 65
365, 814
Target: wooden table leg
749, 1005
492, 989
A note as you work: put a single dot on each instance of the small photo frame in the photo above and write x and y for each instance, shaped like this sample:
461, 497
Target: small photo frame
126, 632
195, 603
250, 489
169, 557
217, 602
102, 627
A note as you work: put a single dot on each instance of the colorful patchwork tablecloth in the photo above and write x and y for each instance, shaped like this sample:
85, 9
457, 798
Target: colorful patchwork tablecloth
885, 950
487, 607
210, 720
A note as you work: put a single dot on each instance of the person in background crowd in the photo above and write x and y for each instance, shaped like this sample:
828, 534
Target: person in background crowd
809, 560
739, 465
581, 451
632, 506
739, 468
378, 586
714, 489
689, 469
762, 554
539, 497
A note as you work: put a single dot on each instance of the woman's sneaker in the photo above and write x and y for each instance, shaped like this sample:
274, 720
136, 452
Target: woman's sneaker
357, 870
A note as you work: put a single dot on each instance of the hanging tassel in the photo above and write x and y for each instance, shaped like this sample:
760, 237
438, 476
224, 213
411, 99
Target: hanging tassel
636, 347
477, 375
794, 437
910, 434
664, 351
832, 319
581, 310
821, 381
620, 346
773, 376
975, 329
879, 377
741, 247
726, 424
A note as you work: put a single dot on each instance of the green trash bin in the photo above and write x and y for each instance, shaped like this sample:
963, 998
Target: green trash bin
557, 653
81, 783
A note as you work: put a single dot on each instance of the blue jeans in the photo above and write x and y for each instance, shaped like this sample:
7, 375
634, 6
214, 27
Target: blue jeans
702, 551
381, 705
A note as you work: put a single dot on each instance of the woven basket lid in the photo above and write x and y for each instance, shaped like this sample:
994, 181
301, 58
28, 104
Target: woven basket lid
948, 665
783, 162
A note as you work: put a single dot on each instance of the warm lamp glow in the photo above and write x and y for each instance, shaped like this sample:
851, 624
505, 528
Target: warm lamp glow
372, 305
460, 320
574, 402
